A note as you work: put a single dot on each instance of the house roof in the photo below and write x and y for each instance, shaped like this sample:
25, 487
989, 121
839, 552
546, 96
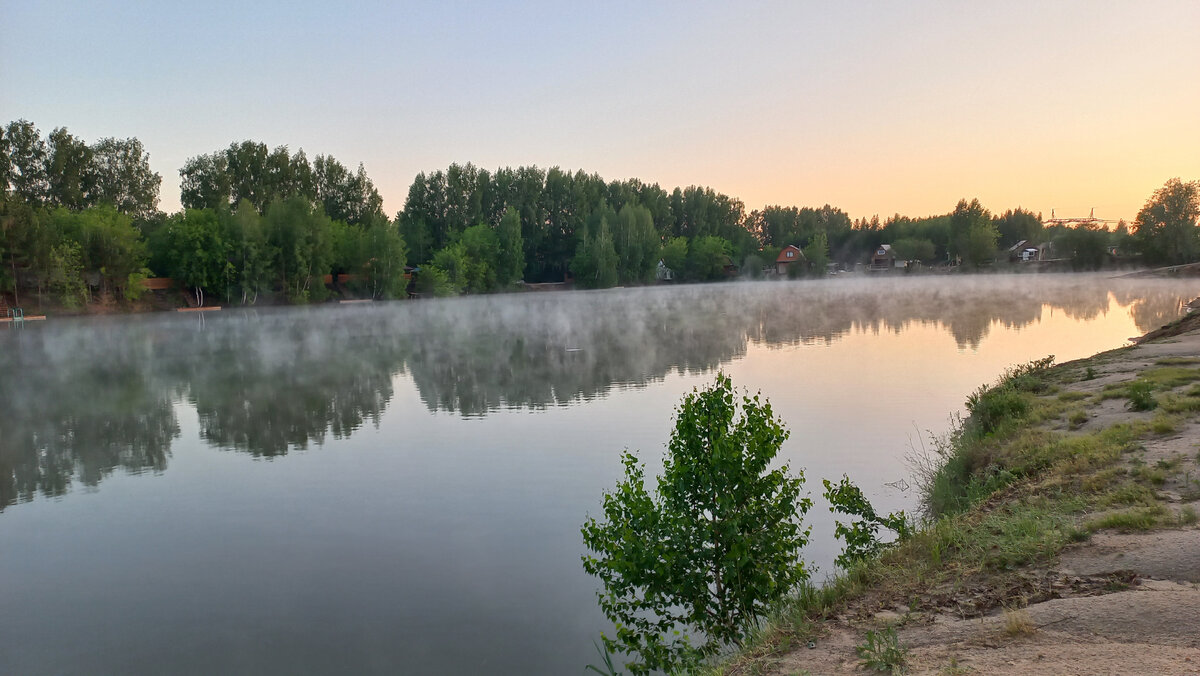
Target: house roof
884, 250
796, 254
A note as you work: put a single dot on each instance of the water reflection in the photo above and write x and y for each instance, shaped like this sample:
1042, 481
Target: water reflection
82, 398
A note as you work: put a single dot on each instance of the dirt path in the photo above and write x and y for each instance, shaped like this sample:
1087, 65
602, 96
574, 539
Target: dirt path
1119, 603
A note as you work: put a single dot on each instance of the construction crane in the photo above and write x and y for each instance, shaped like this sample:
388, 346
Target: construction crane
1089, 221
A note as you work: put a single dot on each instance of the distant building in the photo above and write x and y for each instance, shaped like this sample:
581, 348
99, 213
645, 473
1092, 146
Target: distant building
790, 255
885, 259
662, 273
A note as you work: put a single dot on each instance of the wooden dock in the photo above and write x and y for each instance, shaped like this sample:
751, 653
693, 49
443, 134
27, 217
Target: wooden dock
30, 318
206, 308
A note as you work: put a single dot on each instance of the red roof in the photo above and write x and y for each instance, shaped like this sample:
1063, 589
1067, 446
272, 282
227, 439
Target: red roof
795, 254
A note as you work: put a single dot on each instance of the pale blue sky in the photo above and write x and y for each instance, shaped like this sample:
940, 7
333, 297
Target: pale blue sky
875, 107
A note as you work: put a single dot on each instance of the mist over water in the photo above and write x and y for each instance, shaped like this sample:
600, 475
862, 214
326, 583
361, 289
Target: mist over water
399, 486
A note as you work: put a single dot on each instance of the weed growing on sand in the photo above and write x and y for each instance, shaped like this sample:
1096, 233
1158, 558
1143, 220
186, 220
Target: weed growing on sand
1141, 396
1077, 419
1017, 622
954, 668
882, 652
1164, 423
1187, 516
1089, 373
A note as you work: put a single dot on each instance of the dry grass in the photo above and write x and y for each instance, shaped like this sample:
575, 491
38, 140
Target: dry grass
1017, 622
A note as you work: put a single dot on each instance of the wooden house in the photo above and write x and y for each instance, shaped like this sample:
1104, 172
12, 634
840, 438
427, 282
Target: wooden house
791, 255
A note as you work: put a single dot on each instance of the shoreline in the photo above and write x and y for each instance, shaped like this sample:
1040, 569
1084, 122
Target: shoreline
172, 299
1066, 539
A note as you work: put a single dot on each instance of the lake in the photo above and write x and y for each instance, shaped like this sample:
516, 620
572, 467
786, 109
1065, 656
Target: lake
398, 487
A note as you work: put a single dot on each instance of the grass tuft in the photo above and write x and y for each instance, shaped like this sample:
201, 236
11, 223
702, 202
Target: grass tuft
1137, 519
1017, 622
1187, 516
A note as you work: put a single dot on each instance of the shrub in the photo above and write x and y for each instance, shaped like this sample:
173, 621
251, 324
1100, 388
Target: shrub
714, 546
1141, 396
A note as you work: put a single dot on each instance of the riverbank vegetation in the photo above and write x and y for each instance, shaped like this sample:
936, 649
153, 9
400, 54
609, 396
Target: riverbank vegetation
79, 223
1042, 461
1006, 491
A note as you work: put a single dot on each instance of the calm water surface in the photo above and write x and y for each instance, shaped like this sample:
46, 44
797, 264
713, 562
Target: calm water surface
398, 488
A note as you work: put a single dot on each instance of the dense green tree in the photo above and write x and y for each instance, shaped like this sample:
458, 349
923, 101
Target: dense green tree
346, 196
914, 249
511, 265
113, 251
434, 281
1086, 245
249, 171
1166, 227
973, 235
205, 182
249, 252
448, 272
595, 262
481, 250
636, 242
713, 546
707, 258
5, 163
1018, 224
674, 254
64, 276
417, 236
383, 271
26, 163
816, 253
69, 172
121, 176
197, 252
299, 241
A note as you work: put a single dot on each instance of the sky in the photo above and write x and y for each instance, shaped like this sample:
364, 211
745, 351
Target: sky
873, 107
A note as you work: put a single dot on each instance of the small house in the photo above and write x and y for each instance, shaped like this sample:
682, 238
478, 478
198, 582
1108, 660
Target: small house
790, 255
662, 273
885, 258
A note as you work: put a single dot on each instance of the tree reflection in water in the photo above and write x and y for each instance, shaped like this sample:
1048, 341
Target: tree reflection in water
82, 398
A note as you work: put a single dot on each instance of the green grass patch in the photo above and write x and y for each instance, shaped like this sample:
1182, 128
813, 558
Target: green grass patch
1077, 418
1188, 516
1152, 475
1129, 494
1135, 519
1177, 361
1164, 423
1170, 465
1168, 377
1172, 403
1015, 535
1072, 395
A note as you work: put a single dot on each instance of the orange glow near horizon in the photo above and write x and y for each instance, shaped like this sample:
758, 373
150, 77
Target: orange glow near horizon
876, 109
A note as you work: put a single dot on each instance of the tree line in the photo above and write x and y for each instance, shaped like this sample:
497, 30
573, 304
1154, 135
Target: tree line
80, 222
